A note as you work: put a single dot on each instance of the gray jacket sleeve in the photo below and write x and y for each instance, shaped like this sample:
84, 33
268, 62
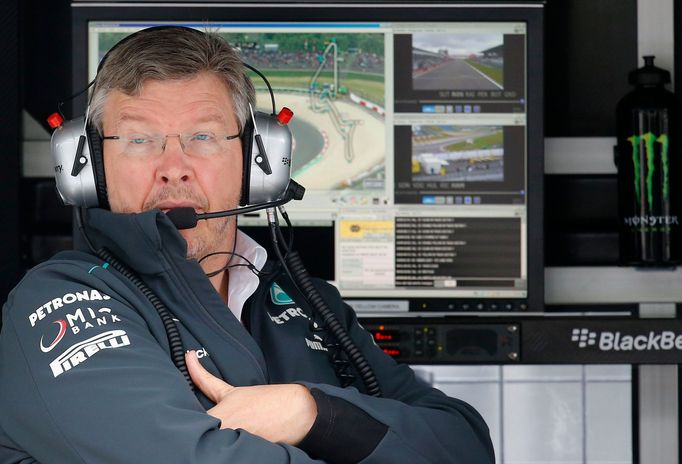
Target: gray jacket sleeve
423, 424
109, 394
10, 452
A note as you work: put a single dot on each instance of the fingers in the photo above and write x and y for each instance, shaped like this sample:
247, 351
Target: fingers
211, 386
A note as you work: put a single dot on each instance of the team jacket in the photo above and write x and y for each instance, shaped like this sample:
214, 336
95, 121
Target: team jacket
86, 376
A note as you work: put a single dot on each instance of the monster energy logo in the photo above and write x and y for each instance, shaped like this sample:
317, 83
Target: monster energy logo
651, 221
649, 140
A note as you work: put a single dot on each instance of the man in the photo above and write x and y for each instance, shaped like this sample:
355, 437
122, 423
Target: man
85, 372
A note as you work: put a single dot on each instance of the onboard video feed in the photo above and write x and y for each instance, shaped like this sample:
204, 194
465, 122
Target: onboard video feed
442, 61
335, 85
461, 69
458, 164
457, 153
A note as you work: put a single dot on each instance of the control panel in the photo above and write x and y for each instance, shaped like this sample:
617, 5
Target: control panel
440, 342
558, 339
474, 306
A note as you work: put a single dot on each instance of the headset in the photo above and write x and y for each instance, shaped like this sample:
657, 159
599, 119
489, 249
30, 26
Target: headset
77, 153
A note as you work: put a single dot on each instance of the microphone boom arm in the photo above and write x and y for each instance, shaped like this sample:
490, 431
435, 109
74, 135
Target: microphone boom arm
187, 218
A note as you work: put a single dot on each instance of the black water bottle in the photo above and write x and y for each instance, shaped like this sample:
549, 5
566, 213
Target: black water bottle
649, 169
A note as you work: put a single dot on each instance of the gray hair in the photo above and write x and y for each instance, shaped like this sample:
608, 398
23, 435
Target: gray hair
171, 53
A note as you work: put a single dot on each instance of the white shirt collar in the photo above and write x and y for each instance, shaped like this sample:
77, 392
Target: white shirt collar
243, 281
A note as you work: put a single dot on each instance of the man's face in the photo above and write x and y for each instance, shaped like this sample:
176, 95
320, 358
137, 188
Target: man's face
138, 180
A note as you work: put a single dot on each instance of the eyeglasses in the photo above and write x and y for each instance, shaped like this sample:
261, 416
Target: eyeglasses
200, 144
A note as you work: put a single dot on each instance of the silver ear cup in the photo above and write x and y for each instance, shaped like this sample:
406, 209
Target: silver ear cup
277, 142
79, 189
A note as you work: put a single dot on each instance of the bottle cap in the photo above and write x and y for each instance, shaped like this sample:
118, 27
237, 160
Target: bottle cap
649, 74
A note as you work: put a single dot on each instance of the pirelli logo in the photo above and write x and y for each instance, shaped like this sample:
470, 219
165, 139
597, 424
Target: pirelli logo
81, 352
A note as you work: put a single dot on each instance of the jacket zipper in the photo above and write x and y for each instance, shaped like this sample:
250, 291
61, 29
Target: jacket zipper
188, 290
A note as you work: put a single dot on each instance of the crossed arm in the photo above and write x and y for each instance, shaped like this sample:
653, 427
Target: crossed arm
282, 413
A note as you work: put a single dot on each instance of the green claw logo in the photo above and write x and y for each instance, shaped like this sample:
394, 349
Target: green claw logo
649, 140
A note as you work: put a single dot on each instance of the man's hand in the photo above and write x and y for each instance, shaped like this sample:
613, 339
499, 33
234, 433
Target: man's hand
279, 413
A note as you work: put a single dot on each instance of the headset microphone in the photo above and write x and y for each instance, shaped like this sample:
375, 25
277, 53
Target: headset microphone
187, 218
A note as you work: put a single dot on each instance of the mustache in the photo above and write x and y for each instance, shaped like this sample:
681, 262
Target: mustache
175, 193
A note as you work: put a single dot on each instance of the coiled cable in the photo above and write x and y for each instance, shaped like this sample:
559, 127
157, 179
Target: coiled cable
332, 323
293, 266
172, 332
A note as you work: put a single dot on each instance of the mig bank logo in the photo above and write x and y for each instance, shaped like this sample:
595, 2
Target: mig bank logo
61, 323
584, 337
278, 296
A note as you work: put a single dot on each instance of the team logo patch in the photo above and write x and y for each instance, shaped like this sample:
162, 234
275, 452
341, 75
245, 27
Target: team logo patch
56, 303
60, 334
82, 351
287, 315
278, 296
315, 344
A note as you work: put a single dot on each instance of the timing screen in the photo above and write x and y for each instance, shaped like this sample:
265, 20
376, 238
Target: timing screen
410, 139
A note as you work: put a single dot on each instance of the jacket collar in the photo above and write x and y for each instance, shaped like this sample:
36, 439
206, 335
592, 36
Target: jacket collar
151, 246
137, 238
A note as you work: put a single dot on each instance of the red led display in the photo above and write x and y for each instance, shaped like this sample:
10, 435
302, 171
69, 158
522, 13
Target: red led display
395, 352
386, 335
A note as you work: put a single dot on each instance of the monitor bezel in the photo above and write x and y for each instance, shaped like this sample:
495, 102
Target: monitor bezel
529, 12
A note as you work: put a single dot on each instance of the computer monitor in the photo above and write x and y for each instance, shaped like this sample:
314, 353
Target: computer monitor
417, 134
